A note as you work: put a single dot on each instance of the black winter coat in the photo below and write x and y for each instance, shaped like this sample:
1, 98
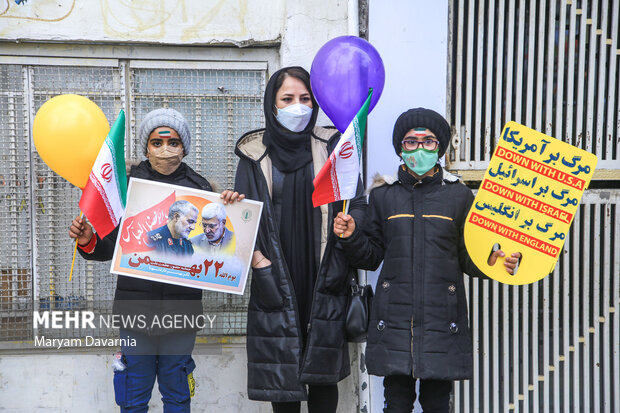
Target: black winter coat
279, 365
150, 297
418, 322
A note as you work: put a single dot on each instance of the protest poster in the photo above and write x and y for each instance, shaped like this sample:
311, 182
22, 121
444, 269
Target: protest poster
526, 203
184, 236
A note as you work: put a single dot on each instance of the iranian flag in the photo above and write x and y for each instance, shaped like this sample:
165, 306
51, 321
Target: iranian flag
337, 179
103, 197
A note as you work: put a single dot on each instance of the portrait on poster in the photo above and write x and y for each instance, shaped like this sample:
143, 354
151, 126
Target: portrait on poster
184, 236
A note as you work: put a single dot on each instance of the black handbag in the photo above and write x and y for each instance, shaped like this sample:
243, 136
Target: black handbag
358, 311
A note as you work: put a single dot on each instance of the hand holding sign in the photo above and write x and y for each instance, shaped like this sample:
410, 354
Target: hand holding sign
526, 203
511, 262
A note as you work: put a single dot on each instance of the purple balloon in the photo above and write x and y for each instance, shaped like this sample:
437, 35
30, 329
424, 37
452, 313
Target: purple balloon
342, 71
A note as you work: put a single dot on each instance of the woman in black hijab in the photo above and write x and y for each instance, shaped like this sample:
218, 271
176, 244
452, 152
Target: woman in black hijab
299, 280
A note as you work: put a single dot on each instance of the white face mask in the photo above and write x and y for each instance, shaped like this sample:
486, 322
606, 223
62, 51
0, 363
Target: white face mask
294, 117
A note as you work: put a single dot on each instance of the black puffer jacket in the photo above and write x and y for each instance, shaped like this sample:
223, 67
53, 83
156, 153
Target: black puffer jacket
279, 365
419, 321
150, 297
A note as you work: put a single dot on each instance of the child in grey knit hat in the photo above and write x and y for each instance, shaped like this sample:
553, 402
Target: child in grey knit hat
165, 117
165, 139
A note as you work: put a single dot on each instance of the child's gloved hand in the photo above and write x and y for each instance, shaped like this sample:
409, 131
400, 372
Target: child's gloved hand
344, 225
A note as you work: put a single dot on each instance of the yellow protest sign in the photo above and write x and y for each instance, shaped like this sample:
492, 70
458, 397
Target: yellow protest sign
526, 202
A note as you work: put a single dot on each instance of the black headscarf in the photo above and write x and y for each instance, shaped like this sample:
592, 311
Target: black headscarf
288, 150
291, 154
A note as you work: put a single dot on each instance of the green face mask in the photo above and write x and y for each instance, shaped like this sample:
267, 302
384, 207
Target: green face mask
420, 160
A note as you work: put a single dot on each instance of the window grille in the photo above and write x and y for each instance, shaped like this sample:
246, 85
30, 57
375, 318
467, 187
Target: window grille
38, 206
552, 346
57, 199
551, 65
16, 275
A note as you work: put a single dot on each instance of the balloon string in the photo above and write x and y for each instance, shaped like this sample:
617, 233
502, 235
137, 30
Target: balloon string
74, 251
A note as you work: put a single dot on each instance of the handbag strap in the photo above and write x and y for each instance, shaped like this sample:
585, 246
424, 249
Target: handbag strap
355, 287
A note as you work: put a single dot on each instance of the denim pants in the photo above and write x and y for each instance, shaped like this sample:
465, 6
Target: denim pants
167, 358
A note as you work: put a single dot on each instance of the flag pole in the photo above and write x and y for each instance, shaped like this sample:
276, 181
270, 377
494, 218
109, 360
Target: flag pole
345, 210
74, 251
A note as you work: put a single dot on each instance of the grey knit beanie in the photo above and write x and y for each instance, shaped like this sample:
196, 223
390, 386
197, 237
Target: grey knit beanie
421, 118
165, 117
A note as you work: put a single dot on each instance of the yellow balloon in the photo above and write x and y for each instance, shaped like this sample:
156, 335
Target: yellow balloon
68, 132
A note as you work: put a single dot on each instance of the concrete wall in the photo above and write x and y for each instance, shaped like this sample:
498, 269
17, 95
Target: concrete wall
412, 38
72, 382
297, 28
241, 22
65, 381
